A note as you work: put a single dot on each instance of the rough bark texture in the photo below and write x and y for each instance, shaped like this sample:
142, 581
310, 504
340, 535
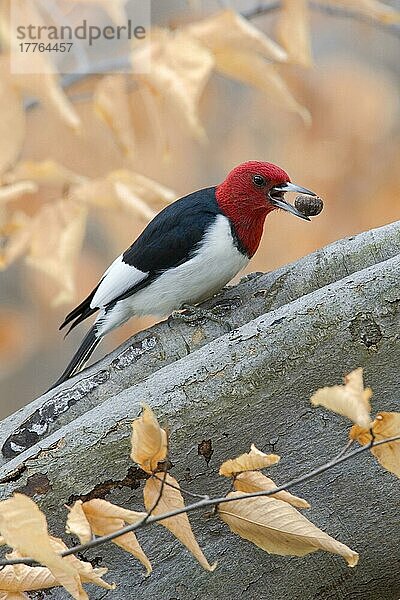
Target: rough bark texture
294, 330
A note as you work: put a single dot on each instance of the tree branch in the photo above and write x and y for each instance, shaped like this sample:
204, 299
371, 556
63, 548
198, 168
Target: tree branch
206, 503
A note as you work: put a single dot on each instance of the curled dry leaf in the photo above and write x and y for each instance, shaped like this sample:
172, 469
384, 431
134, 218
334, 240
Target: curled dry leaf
16, 190
111, 104
278, 528
12, 124
58, 230
105, 517
22, 578
254, 70
229, 30
251, 461
373, 9
43, 172
149, 441
24, 528
179, 525
350, 400
132, 201
254, 481
123, 189
294, 31
77, 523
86, 571
385, 425
180, 68
46, 87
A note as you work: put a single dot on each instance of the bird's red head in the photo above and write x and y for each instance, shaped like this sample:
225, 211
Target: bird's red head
251, 191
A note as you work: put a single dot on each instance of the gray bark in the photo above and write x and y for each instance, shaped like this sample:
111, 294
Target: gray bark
295, 330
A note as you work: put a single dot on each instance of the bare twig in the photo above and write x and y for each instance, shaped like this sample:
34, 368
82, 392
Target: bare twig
345, 449
181, 489
205, 503
329, 9
160, 493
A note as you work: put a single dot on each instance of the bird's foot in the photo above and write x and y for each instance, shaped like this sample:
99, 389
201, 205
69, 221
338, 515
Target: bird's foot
192, 314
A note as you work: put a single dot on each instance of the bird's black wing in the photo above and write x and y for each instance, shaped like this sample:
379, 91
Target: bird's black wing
173, 234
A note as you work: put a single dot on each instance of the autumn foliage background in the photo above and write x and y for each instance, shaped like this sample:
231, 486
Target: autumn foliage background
65, 227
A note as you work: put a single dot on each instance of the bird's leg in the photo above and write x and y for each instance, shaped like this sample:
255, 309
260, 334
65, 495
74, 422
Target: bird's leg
191, 314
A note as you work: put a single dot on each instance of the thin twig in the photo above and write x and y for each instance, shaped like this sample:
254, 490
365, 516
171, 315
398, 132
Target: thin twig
207, 503
261, 9
345, 449
181, 489
160, 493
329, 9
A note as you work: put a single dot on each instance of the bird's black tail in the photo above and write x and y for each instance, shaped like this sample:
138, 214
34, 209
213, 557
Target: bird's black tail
81, 356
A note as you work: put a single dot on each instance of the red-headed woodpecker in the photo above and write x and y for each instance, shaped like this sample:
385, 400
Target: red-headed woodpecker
187, 253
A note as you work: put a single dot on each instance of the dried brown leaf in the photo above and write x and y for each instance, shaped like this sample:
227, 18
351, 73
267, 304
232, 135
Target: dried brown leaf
126, 190
229, 30
86, 571
254, 70
24, 528
12, 124
44, 171
149, 441
350, 400
20, 578
47, 89
131, 201
105, 518
58, 230
254, 481
294, 31
180, 68
101, 509
178, 525
16, 190
278, 528
251, 461
77, 523
385, 425
111, 104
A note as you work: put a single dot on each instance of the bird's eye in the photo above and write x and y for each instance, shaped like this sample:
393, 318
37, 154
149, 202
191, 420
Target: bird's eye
259, 180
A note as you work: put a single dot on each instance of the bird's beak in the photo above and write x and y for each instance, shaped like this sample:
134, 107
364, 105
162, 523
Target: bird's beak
276, 197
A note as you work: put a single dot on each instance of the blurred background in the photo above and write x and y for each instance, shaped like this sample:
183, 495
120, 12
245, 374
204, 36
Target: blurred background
86, 161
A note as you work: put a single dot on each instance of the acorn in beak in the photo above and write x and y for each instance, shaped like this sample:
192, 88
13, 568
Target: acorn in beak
276, 197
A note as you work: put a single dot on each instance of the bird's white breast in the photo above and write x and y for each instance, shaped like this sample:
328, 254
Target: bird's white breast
213, 265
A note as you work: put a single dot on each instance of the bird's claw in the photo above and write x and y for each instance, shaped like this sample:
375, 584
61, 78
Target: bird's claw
193, 314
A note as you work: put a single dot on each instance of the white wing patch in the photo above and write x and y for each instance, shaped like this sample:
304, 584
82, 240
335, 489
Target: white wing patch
118, 278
